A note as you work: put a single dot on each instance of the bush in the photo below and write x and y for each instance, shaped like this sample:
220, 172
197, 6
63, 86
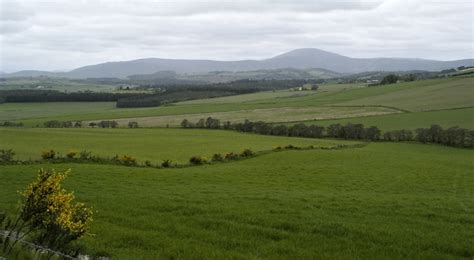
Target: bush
148, 163
217, 157
127, 160
197, 160
247, 153
48, 154
231, 156
132, 124
166, 163
277, 148
71, 154
290, 147
85, 155
51, 212
6, 155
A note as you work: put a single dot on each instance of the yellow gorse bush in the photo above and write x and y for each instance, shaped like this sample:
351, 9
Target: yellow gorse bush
50, 209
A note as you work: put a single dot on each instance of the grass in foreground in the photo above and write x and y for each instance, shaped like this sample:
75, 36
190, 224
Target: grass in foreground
383, 200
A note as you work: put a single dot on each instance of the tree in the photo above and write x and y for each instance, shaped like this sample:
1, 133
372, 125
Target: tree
335, 130
185, 123
132, 124
389, 79
201, 123
372, 133
281, 130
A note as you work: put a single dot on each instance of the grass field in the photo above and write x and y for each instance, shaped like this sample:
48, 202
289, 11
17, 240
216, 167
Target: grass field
445, 118
329, 102
144, 144
381, 201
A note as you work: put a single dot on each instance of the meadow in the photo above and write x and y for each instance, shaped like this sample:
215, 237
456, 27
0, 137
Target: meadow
333, 101
384, 200
380, 200
446, 118
155, 145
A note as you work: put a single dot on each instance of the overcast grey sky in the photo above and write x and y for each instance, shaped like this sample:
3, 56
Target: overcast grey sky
62, 35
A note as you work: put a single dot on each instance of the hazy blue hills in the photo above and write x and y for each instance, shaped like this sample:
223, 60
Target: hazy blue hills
296, 59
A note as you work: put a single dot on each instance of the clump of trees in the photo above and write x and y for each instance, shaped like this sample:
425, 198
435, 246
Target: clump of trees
62, 124
107, 124
453, 136
390, 79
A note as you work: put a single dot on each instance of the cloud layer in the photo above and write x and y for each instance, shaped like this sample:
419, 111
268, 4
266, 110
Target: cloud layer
62, 35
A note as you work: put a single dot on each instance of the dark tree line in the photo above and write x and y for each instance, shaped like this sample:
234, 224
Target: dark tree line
11, 124
153, 100
62, 124
17, 96
454, 136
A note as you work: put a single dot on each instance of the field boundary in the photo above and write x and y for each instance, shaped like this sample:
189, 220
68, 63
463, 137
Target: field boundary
112, 161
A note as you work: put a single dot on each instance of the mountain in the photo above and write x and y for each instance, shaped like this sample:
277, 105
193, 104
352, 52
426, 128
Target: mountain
296, 59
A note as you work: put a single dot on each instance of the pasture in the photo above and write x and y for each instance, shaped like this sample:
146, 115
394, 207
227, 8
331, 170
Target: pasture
355, 103
384, 200
144, 144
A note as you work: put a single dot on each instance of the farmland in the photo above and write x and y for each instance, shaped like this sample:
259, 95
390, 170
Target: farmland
383, 200
144, 144
377, 200
329, 102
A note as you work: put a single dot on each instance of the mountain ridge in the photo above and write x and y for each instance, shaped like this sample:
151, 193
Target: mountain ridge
304, 58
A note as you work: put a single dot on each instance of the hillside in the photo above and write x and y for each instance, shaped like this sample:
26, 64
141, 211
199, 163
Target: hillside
296, 59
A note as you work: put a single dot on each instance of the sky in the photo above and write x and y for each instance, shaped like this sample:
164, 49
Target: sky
62, 35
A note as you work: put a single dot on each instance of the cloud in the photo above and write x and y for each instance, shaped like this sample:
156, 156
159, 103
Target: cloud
60, 35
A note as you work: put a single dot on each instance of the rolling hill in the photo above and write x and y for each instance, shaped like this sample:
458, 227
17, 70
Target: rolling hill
296, 59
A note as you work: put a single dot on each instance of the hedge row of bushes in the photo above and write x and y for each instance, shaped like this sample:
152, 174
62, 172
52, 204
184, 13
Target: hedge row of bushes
453, 136
6, 156
78, 124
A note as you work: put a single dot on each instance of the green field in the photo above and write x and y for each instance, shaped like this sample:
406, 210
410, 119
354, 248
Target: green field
380, 201
338, 101
445, 118
144, 144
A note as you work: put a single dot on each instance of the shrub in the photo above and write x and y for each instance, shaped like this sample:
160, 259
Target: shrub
71, 154
197, 160
85, 155
6, 155
247, 153
166, 163
148, 163
231, 156
132, 124
217, 157
127, 160
48, 154
277, 148
290, 147
51, 211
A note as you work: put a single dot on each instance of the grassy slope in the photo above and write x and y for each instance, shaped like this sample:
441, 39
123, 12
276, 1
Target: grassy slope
330, 101
445, 118
144, 144
381, 201
414, 96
